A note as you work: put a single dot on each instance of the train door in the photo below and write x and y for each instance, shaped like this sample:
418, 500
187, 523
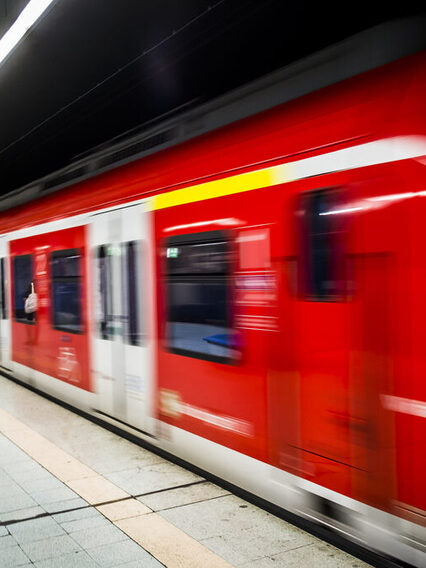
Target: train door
122, 284
371, 376
332, 356
322, 330
4, 311
309, 378
24, 325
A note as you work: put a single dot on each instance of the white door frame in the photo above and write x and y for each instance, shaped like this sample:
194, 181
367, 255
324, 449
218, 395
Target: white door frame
123, 373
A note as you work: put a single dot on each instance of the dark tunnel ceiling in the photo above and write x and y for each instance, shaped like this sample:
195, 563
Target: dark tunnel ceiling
212, 47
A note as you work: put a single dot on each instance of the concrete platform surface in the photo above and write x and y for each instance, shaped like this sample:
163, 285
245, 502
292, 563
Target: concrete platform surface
75, 495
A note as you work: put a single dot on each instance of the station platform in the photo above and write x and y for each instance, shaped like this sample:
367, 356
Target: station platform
76, 495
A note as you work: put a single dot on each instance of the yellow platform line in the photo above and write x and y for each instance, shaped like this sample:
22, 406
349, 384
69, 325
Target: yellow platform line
165, 542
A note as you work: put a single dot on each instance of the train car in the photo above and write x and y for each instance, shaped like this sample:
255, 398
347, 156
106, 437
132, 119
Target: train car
249, 299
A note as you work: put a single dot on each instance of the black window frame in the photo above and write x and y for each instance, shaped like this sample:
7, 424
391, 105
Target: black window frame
3, 291
133, 292
64, 253
188, 239
14, 259
309, 268
104, 277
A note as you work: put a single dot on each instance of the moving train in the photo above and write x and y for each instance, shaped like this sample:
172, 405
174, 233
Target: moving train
242, 285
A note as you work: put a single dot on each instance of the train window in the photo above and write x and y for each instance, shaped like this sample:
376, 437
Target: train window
132, 292
198, 292
66, 290
3, 288
104, 315
321, 270
23, 283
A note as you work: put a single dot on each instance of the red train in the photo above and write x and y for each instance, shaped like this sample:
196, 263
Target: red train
251, 300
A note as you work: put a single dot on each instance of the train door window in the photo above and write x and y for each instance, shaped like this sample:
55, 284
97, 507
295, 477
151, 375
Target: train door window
133, 293
23, 283
104, 314
66, 290
321, 267
198, 272
3, 288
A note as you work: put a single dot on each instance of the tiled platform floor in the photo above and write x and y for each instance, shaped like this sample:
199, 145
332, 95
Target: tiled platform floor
37, 532
160, 515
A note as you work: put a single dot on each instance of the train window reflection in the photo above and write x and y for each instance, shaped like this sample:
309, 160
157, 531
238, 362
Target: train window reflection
22, 286
321, 270
199, 297
66, 290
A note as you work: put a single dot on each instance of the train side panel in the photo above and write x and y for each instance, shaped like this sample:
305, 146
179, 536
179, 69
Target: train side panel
54, 339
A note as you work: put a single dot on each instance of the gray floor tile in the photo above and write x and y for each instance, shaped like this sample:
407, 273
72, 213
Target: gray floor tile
16, 502
28, 471
6, 541
317, 555
97, 536
14, 456
5, 479
36, 529
12, 488
33, 486
233, 552
119, 458
182, 496
236, 530
83, 513
3, 531
238, 550
54, 495
114, 555
27, 513
73, 560
84, 524
266, 562
12, 557
58, 506
143, 563
152, 478
50, 547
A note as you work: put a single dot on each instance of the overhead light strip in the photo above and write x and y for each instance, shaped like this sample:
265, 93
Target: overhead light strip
26, 20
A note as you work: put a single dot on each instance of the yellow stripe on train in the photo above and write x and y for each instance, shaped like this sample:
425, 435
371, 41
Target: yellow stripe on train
266, 177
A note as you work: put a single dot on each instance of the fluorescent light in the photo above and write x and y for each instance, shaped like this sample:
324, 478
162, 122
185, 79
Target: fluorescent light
26, 19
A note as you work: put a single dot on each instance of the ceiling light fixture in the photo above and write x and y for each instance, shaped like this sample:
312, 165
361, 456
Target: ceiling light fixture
26, 19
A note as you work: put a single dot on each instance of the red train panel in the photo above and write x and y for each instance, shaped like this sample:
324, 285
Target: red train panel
58, 348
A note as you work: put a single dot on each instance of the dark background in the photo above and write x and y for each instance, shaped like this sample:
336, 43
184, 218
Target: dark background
62, 91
